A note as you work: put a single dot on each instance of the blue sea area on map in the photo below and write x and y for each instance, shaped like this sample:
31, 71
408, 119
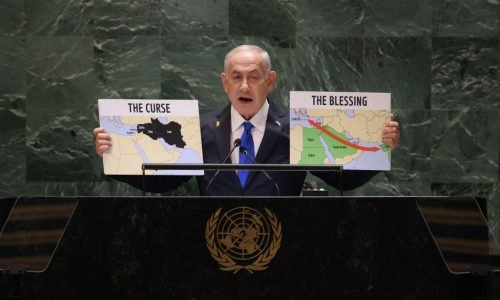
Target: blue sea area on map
370, 160
350, 113
141, 152
368, 144
188, 155
163, 119
355, 140
300, 118
328, 154
116, 126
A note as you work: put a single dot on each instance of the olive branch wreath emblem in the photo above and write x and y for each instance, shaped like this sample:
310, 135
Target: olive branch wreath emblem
227, 263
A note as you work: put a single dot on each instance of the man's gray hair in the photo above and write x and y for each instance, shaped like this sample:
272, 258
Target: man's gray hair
265, 56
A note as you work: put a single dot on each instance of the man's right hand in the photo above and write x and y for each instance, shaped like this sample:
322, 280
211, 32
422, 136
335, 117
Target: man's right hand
102, 141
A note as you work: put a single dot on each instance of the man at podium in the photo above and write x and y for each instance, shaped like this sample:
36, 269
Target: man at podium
253, 122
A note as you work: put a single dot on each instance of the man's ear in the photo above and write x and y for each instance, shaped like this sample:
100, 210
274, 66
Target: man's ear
271, 80
223, 79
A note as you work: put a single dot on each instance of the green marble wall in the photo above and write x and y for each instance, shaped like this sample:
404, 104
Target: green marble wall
439, 59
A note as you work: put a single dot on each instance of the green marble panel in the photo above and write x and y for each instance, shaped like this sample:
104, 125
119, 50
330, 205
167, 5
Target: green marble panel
464, 146
12, 68
59, 17
465, 73
60, 145
128, 67
12, 115
195, 17
13, 149
494, 212
401, 66
337, 18
191, 67
398, 18
127, 17
61, 94
103, 186
60, 72
272, 18
328, 64
411, 162
482, 190
341, 18
12, 18
472, 18
59, 57
80, 188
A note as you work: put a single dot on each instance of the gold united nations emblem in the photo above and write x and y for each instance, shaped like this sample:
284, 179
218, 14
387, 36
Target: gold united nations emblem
243, 238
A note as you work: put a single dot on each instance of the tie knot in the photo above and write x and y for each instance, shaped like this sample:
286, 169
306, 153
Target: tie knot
248, 126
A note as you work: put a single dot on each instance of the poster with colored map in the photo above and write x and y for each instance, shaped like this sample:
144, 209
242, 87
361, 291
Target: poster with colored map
150, 131
340, 129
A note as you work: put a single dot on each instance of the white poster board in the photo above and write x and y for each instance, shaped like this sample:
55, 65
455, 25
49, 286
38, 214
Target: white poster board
150, 131
340, 129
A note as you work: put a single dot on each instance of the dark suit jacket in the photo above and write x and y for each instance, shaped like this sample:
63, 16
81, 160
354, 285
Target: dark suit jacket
274, 149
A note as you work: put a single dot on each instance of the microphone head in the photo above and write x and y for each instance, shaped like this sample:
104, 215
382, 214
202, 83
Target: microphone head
237, 142
243, 149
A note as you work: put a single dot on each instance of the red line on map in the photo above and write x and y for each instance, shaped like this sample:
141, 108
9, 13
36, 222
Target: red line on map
347, 143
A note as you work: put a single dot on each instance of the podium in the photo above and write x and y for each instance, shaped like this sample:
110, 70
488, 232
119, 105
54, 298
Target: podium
248, 248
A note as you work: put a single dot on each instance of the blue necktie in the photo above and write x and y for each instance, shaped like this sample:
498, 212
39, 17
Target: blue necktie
247, 142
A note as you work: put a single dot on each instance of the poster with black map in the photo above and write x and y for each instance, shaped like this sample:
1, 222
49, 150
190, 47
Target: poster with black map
150, 131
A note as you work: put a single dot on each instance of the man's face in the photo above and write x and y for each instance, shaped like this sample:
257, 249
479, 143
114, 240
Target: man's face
247, 83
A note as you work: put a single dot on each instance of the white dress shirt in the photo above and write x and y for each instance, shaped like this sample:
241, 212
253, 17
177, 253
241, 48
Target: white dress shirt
259, 126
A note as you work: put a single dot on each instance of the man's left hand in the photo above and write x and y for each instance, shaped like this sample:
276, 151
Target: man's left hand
390, 134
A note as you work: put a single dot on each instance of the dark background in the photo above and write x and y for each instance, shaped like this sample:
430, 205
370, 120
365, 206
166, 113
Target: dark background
155, 248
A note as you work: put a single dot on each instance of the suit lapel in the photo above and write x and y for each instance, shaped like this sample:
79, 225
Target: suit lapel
223, 132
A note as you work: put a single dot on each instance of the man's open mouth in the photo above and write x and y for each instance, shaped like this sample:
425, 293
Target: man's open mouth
245, 99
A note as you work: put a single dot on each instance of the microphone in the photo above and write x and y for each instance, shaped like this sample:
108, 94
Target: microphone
236, 144
245, 152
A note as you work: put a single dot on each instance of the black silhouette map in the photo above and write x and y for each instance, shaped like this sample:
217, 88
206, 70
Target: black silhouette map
170, 133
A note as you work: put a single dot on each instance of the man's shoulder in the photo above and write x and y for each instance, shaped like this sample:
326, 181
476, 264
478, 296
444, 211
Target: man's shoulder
278, 109
215, 114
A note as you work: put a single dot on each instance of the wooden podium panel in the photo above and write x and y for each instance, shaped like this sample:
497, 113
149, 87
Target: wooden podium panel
246, 248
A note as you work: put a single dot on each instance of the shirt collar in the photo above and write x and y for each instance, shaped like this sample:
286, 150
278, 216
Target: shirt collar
258, 120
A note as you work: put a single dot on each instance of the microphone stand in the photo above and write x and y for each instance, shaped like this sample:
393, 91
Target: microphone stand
245, 152
236, 144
